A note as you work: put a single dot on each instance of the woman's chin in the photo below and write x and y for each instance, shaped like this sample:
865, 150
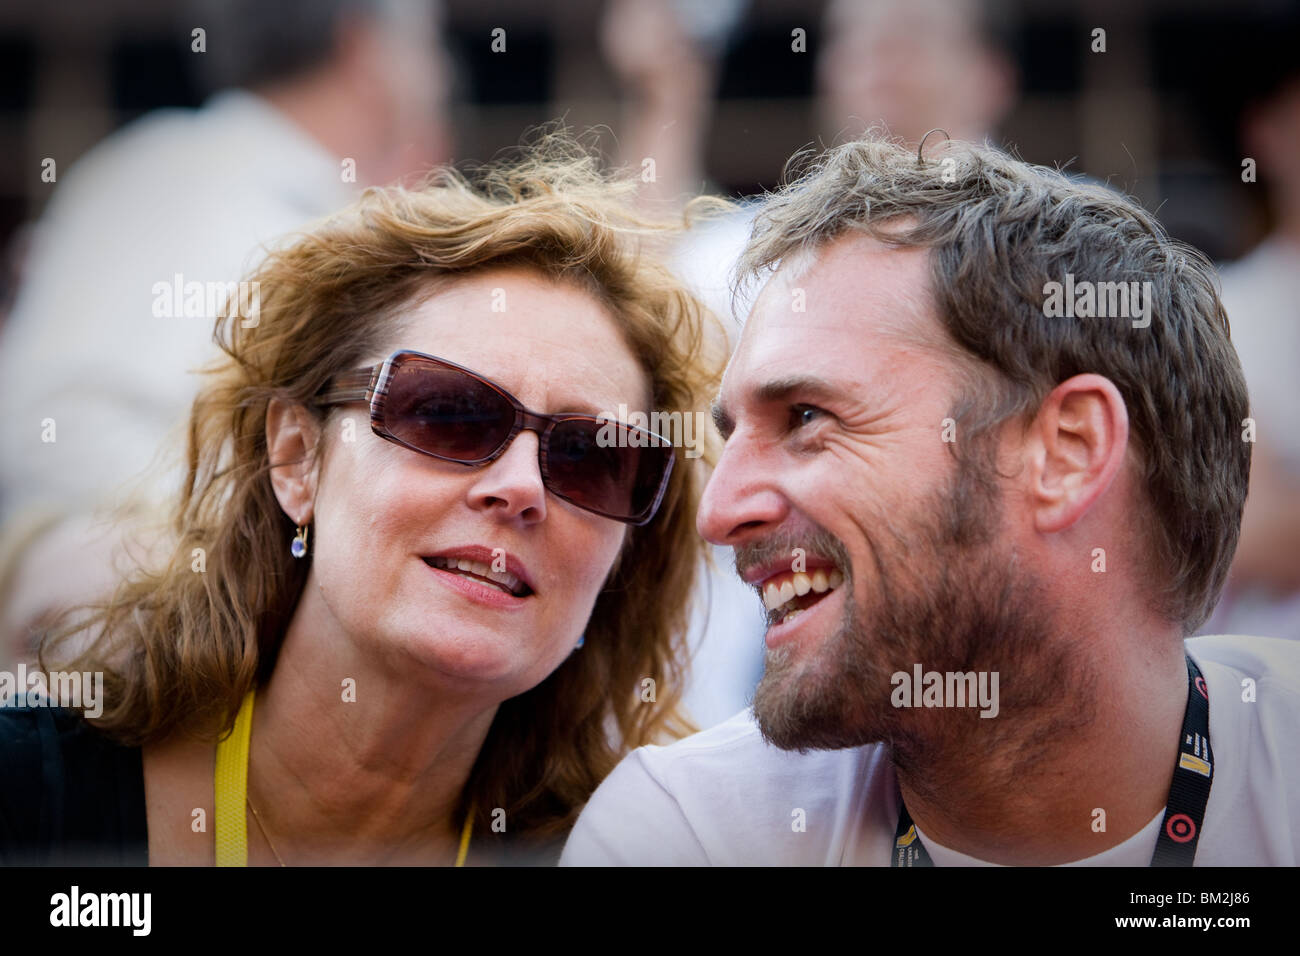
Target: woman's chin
470, 654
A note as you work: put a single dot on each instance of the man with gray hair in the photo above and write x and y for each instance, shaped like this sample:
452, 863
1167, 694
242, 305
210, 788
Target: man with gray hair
985, 499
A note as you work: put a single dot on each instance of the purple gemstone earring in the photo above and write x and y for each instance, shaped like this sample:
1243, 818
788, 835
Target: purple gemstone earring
298, 547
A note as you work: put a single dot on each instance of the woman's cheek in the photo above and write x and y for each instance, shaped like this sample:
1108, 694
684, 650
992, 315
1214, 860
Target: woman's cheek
603, 549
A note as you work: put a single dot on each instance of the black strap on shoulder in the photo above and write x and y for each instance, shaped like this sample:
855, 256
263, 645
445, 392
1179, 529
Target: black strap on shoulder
908, 848
1190, 791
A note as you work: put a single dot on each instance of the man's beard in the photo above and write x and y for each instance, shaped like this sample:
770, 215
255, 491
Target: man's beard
950, 598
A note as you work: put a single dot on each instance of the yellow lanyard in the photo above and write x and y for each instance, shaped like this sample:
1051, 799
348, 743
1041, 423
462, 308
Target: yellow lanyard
230, 787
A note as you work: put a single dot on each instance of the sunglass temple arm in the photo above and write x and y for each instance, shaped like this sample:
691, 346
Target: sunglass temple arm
349, 387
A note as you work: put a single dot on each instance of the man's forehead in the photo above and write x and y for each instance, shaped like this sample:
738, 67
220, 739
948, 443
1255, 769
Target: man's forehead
847, 300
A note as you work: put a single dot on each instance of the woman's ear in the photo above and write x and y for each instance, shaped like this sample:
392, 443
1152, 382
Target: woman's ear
292, 433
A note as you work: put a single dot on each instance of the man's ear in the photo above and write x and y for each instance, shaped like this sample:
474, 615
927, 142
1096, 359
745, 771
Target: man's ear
1075, 448
291, 437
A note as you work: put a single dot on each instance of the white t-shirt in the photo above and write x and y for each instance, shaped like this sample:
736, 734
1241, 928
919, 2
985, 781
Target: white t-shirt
726, 797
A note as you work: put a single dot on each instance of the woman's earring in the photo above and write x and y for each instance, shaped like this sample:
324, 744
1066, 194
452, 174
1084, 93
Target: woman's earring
582, 640
298, 548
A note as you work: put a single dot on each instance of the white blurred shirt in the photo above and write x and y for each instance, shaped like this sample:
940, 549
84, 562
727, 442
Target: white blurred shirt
728, 621
189, 192
1261, 293
726, 641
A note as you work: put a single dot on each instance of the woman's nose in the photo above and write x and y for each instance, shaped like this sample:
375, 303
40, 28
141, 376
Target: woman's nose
511, 487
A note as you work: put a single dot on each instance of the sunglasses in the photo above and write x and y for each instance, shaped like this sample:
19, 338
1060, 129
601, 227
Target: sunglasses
444, 410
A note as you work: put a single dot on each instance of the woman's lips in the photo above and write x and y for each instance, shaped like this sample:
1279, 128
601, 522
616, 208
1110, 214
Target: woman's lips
481, 570
477, 590
496, 564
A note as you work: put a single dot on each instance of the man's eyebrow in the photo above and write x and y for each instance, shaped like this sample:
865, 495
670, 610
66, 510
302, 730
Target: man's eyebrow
809, 385
817, 389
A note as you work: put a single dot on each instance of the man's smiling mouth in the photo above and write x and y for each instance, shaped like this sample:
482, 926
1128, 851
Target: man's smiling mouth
790, 593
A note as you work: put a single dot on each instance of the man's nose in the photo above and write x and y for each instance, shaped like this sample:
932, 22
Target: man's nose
742, 497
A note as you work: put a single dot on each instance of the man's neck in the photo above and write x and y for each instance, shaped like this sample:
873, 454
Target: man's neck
1040, 792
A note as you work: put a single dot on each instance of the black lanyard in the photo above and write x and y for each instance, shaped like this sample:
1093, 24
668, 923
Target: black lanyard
1188, 794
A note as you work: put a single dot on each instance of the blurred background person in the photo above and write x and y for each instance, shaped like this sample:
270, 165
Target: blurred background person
1261, 292
914, 65
314, 99
910, 65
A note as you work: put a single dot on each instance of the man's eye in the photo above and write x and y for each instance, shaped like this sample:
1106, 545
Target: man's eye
802, 415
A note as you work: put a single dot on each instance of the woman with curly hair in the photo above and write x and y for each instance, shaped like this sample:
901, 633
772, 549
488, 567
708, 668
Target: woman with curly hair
418, 581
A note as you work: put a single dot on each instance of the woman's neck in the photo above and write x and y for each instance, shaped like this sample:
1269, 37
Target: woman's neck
353, 763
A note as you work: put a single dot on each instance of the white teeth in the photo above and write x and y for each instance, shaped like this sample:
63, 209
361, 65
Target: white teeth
791, 616
503, 578
784, 588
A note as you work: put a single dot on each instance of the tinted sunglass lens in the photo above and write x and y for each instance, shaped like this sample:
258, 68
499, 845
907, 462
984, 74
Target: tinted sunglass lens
446, 412
619, 478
